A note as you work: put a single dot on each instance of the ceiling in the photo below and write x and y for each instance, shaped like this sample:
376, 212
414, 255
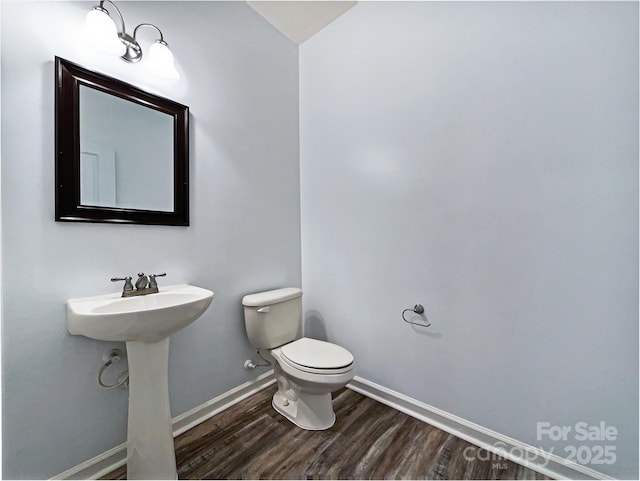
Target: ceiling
299, 20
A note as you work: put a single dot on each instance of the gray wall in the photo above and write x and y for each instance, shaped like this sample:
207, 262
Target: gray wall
481, 159
240, 80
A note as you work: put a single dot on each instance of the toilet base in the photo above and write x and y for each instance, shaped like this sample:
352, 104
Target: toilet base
313, 412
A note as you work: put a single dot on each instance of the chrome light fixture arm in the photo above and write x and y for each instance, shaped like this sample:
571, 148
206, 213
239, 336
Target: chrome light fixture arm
101, 8
134, 51
135, 30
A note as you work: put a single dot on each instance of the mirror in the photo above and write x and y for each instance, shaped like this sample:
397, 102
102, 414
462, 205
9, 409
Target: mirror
121, 152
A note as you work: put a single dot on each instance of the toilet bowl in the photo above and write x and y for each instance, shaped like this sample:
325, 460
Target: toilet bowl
307, 370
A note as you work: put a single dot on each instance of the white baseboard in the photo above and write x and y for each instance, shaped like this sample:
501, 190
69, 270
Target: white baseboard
116, 457
536, 459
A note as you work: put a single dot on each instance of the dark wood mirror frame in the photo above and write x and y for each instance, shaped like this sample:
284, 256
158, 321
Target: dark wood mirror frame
69, 77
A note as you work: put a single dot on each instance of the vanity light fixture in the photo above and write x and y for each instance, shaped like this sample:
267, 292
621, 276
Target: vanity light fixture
101, 32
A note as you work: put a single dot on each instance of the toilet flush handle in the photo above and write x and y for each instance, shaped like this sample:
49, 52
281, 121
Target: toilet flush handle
264, 309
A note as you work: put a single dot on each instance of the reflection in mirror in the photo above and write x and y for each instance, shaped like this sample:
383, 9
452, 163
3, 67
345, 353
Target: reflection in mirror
122, 154
126, 153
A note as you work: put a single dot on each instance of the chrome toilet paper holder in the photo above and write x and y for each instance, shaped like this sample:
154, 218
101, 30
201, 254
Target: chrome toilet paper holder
417, 309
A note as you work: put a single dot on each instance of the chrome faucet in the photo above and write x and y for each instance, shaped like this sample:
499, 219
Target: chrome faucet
144, 285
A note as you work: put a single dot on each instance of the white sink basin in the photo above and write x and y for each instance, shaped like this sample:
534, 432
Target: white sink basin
148, 318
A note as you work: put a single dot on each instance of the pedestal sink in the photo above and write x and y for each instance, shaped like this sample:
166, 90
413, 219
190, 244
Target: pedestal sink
144, 323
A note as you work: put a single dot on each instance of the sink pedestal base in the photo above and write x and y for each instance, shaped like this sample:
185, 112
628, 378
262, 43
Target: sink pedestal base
150, 452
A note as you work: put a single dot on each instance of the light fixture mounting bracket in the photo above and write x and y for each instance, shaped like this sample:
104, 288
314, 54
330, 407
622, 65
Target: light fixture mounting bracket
133, 53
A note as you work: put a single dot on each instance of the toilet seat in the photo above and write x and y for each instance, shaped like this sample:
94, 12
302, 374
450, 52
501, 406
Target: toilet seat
317, 357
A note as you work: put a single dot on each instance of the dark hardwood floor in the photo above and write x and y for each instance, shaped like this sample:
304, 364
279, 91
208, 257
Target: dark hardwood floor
369, 441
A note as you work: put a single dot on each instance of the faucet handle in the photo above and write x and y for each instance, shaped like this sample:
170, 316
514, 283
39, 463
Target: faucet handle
128, 286
152, 279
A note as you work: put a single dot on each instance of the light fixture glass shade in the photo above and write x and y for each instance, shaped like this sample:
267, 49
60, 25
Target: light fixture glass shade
160, 62
101, 33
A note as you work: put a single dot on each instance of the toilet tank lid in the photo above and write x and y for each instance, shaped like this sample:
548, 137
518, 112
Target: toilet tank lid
271, 297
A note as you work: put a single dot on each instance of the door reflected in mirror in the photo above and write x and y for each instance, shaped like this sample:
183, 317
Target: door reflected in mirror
126, 153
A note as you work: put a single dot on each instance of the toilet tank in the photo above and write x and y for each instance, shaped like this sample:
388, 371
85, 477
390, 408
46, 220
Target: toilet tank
273, 318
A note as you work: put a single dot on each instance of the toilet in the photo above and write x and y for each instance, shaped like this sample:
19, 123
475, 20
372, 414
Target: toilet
307, 370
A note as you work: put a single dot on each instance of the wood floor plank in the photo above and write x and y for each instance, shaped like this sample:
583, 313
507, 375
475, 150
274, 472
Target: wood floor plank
369, 440
478, 463
419, 450
285, 461
244, 444
364, 416
380, 446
